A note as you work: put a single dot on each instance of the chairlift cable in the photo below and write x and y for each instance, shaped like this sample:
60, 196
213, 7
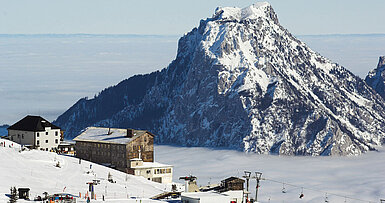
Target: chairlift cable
316, 190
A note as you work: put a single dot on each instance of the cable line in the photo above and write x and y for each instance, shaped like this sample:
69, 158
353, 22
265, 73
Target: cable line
316, 190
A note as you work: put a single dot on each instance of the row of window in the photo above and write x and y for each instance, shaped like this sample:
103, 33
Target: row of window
139, 147
37, 135
46, 133
114, 147
18, 136
161, 170
46, 141
104, 146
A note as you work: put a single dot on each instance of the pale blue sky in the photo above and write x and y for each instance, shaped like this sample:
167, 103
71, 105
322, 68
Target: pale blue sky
175, 17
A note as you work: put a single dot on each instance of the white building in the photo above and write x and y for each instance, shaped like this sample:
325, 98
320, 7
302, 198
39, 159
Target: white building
210, 197
154, 171
35, 132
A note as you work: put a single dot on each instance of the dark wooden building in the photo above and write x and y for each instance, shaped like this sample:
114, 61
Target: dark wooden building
232, 183
115, 147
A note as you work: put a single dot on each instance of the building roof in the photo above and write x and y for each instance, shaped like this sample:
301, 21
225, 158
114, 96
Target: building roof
151, 165
109, 135
198, 195
233, 178
32, 123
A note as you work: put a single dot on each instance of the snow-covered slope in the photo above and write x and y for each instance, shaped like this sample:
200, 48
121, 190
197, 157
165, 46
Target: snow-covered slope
242, 81
36, 170
376, 77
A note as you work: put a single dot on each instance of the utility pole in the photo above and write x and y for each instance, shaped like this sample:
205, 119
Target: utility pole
247, 177
258, 178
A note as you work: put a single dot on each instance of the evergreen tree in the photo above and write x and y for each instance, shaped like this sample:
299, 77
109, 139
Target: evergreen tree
14, 196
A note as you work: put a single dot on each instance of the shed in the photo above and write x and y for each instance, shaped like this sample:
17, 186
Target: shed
23, 193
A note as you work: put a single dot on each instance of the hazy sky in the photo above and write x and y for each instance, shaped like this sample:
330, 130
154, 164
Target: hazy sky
175, 17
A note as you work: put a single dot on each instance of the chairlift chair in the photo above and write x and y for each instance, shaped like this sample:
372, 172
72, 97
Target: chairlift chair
301, 195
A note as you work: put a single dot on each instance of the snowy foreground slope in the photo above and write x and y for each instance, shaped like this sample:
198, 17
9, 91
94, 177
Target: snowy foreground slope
36, 170
242, 81
359, 177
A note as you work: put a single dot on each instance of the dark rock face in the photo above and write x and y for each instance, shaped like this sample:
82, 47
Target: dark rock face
376, 78
242, 81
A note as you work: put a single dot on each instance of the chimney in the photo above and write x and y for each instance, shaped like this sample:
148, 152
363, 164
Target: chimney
130, 133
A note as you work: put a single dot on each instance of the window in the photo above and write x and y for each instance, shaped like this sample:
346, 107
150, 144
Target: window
46, 133
37, 134
22, 136
37, 142
56, 133
158, 180
56, 141
46, 141
18, 136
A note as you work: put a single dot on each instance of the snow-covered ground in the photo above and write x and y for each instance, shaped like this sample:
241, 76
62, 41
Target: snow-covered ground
36, 170
361, 177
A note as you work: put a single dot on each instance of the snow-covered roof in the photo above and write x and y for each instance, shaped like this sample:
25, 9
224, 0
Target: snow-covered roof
109, 135
196, 195
152, 165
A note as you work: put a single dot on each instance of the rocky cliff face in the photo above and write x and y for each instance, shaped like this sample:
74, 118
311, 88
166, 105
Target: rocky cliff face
376, 78
242, 81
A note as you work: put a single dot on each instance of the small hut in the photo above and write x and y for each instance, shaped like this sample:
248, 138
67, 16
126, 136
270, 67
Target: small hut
23, 193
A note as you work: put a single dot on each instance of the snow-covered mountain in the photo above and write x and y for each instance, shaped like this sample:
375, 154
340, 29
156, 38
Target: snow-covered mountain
376, 77
242, 81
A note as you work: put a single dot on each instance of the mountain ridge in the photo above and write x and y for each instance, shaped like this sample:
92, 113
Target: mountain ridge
376, 77
242, 81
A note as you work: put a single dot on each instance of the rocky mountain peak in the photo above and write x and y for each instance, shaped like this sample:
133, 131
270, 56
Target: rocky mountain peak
381, 62
253, 12
242, 81
376, 77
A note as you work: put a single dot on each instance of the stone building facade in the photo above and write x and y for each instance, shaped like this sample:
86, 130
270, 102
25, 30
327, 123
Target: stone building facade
115, 147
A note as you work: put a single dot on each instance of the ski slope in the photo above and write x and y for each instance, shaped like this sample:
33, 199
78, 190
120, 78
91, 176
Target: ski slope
37, 170
359, 177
